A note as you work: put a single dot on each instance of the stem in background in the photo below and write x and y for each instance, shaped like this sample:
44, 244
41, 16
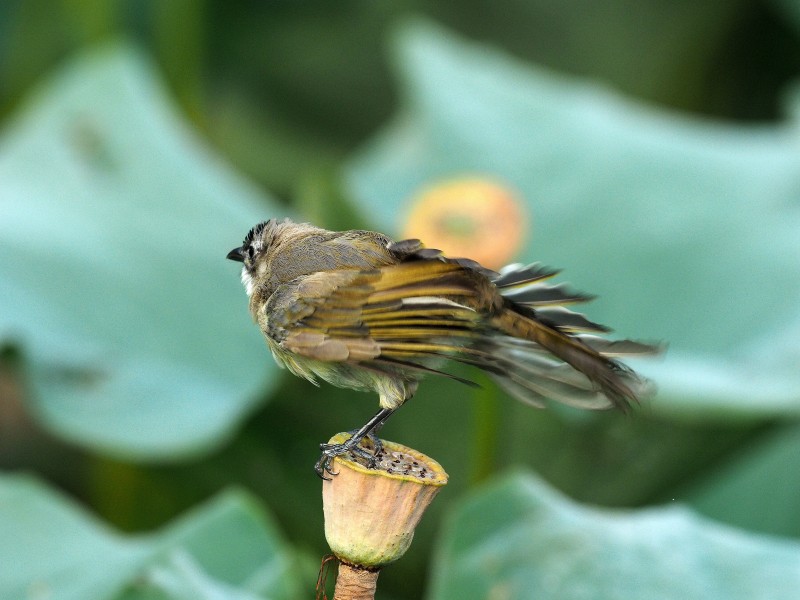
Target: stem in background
179, 32
486, 416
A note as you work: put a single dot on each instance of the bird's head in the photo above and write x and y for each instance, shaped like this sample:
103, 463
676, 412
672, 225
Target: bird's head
253, 253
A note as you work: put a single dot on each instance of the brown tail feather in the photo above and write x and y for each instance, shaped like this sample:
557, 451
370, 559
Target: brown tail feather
608, 375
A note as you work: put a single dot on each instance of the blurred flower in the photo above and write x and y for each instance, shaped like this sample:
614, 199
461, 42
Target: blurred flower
470, 217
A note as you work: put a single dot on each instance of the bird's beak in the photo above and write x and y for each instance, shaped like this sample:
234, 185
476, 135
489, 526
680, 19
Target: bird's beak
236, 254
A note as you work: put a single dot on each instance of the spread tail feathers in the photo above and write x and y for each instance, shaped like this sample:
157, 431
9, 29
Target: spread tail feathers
535, 360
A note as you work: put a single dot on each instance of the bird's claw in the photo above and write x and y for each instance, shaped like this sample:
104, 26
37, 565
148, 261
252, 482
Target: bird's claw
353, 446
324, 466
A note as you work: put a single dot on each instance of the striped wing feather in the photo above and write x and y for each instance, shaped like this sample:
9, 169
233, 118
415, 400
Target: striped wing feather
399, 312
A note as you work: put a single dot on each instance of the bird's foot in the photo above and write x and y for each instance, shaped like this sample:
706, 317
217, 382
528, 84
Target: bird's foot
351, 446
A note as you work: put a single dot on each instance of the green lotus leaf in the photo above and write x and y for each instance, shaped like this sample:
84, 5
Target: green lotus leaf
685, 228
115, 221
60, 552
520, 539
755, 489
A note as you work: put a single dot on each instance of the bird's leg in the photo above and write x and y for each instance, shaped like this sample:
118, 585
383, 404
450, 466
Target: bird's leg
330, 451
373, 434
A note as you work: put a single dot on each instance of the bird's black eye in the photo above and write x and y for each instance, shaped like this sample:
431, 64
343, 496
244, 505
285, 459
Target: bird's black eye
250, 252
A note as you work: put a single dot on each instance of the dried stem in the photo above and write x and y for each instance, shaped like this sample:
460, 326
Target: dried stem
355, 583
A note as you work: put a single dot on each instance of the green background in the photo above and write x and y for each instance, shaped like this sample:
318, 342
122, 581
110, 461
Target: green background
152, 450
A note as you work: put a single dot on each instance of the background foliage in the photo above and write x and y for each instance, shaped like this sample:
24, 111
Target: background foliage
655, 146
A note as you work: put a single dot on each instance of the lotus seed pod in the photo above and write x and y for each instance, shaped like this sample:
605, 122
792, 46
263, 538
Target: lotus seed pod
371, 513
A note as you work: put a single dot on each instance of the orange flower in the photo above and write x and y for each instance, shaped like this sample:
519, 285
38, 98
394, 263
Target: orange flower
469, 217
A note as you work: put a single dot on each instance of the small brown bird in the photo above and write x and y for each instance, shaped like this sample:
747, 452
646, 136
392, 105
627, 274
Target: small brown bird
361, 311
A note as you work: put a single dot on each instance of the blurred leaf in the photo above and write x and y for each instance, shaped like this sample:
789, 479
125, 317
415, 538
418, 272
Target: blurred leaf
790, 10
57, 551
225, 549
115, 223
520, 539
324, 62
685, 42
265, 146
181, 578
687, 229
757, 489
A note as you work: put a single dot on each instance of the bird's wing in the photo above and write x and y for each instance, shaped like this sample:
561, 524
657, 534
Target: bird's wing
395, 314
403, 315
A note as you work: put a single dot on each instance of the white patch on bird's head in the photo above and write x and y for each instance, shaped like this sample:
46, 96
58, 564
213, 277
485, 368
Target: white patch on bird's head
253, 247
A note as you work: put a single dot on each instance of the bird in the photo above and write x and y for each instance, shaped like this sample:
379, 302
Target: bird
361, 311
